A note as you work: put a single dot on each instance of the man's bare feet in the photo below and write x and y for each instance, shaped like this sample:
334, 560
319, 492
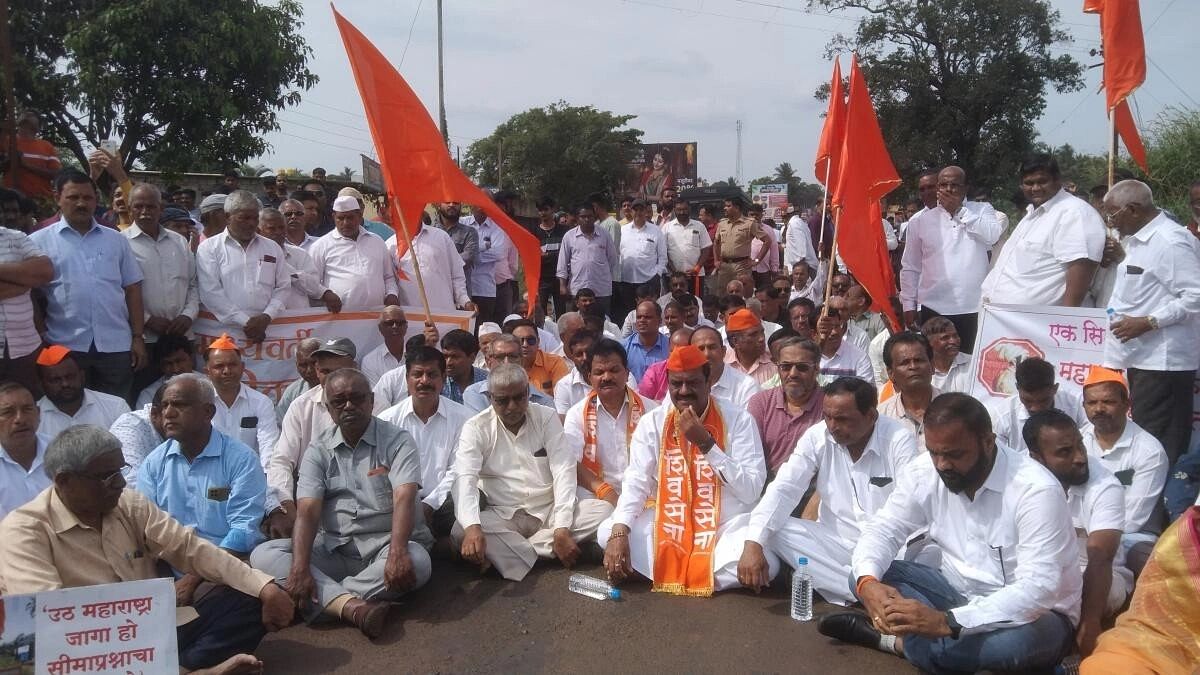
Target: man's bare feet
234, 665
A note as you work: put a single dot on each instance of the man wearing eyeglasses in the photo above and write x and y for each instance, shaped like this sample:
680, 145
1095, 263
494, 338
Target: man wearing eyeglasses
55, 542
505, 348
784, 413
360, 540
544, 370
855, 455
513, 454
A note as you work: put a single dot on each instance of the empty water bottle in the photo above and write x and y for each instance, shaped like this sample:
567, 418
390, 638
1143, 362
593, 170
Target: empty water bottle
592, 587
802, 591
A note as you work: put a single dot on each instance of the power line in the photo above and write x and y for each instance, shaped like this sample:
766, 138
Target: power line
410, 32
684, 10
322, 119
1172, 81
311, 140
772, 5
324, 131
1160, 15
359, 115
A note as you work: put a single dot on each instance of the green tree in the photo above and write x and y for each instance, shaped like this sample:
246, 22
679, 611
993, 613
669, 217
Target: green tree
183, 84
1173, 153
562, 151
958, 81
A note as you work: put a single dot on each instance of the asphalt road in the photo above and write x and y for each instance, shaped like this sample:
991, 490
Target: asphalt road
463, 623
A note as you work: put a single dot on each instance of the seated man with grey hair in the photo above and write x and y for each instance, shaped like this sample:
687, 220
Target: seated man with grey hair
508, 513
505, 348
205, 479
360, 539
87, 529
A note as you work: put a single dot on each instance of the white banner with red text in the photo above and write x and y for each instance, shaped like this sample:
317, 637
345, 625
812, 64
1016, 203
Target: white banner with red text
271, 364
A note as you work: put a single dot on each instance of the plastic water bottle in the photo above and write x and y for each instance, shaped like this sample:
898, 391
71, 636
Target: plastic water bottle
592, 587
802, 591
1112, 315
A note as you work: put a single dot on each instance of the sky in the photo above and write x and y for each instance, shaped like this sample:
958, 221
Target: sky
689, 70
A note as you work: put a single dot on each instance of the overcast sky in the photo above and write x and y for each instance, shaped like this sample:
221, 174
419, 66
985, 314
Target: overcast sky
689, 69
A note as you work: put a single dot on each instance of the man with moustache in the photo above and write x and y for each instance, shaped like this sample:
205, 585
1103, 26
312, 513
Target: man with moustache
908, 359
1005, 594
465, 238
783, 414
587, 260
305, 279
66, 401
1097, 512
22, 450
393, 326
855, 456
170, 296
689, 543
951, 367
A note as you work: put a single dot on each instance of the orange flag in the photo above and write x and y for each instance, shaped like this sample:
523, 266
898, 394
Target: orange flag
863, 179
1124, 65
834, 132
417, 168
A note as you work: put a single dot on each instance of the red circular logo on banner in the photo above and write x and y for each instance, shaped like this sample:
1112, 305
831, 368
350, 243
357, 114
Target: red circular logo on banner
998, 364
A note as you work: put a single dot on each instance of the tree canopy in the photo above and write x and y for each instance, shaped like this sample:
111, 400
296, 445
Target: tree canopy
958, 81
561, 151
800, 193
183, 84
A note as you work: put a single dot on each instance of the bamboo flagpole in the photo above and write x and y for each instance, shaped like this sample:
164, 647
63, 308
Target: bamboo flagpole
837, 222
824, 202
416, 264
1112, 147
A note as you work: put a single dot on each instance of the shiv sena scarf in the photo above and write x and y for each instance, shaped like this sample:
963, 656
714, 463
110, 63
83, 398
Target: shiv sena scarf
687, 509
591, 458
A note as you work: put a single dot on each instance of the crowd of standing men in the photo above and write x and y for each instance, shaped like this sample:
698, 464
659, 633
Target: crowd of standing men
700, 411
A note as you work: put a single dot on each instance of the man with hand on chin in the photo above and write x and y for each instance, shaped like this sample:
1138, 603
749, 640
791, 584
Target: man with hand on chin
1007, 591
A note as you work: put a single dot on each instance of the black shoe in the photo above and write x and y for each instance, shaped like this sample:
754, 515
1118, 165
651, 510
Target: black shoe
849, 627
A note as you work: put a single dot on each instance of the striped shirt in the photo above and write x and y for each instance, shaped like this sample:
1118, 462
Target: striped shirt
16, 314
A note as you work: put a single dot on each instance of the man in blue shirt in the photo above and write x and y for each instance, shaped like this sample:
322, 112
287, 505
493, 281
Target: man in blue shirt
94, 302
205, 479
647, 346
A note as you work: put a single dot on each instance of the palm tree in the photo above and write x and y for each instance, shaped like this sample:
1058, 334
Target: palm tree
784, 173
347, 174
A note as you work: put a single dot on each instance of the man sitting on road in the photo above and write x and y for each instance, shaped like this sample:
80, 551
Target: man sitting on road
66, 401
1036, 391
908, 359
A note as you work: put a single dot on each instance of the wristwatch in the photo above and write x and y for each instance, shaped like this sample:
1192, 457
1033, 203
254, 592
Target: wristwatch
953, 624
1153, 322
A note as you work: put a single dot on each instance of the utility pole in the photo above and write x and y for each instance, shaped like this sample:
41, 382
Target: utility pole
10, 94
737, 171
441, 80
499, 163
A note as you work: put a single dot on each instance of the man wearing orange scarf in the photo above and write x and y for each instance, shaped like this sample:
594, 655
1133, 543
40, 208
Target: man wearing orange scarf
699, 462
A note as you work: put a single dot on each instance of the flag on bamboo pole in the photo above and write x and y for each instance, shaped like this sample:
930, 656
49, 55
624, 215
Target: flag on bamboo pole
416, 166
1124, 65
865, 175
834, 131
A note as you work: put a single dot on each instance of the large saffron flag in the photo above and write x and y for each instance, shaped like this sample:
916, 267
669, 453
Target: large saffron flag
865, 175
1124, 65
834, 131
417, 168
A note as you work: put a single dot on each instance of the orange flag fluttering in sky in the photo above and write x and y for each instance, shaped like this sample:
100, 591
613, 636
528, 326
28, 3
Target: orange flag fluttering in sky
1124, 65
866, 174
417, 168
833, 132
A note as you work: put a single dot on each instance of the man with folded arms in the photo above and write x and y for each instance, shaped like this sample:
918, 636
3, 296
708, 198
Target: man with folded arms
87, 529
855, 455
1006, 593
690, 541
513, 455
360, 539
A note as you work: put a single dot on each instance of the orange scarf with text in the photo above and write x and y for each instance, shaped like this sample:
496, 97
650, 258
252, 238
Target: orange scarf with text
591, 458
687, 509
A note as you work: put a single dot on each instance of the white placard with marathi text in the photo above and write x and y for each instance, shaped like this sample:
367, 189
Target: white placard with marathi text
271, 364
113, 628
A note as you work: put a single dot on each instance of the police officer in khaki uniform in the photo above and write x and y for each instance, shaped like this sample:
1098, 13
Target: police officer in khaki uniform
732, 243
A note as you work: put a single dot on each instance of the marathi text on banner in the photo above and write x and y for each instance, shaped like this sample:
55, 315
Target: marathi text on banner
271, 364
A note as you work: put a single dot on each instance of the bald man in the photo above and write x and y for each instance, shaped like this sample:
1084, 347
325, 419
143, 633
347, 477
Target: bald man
1155, 304
946, 258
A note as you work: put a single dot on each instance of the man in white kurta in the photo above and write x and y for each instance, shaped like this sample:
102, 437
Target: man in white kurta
1036, 391
737, 467
513, 455
441, 270
856, 455
354, 263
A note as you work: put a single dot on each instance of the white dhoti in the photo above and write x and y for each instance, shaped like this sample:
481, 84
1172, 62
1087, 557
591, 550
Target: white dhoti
828, 556
514, 544
731, 538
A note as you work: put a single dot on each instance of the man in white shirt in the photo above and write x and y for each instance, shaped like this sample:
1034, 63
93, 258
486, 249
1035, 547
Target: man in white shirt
909, 362
689, 247
690, 542
748, 356
442, 270
946, 257
504, 349
170, 295
1051, 256
598, 428
22, 476
724, 382
798, 245
305, 280
243, 276
855, 455
576, 385
513, 454
1097, 512
1036, 391
643, 253
242, 412
1155, 304
435, 423
393, 326
951, 367
1005, 595
354, 263
1135, 457
65, 402
840, 358
484, 277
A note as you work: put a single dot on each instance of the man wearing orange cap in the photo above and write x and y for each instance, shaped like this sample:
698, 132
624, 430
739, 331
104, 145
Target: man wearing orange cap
749, 356
690, 541
242, 412
66, 402
1133, 455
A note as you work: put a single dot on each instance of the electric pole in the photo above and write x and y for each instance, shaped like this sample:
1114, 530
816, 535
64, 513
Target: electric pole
441, 80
